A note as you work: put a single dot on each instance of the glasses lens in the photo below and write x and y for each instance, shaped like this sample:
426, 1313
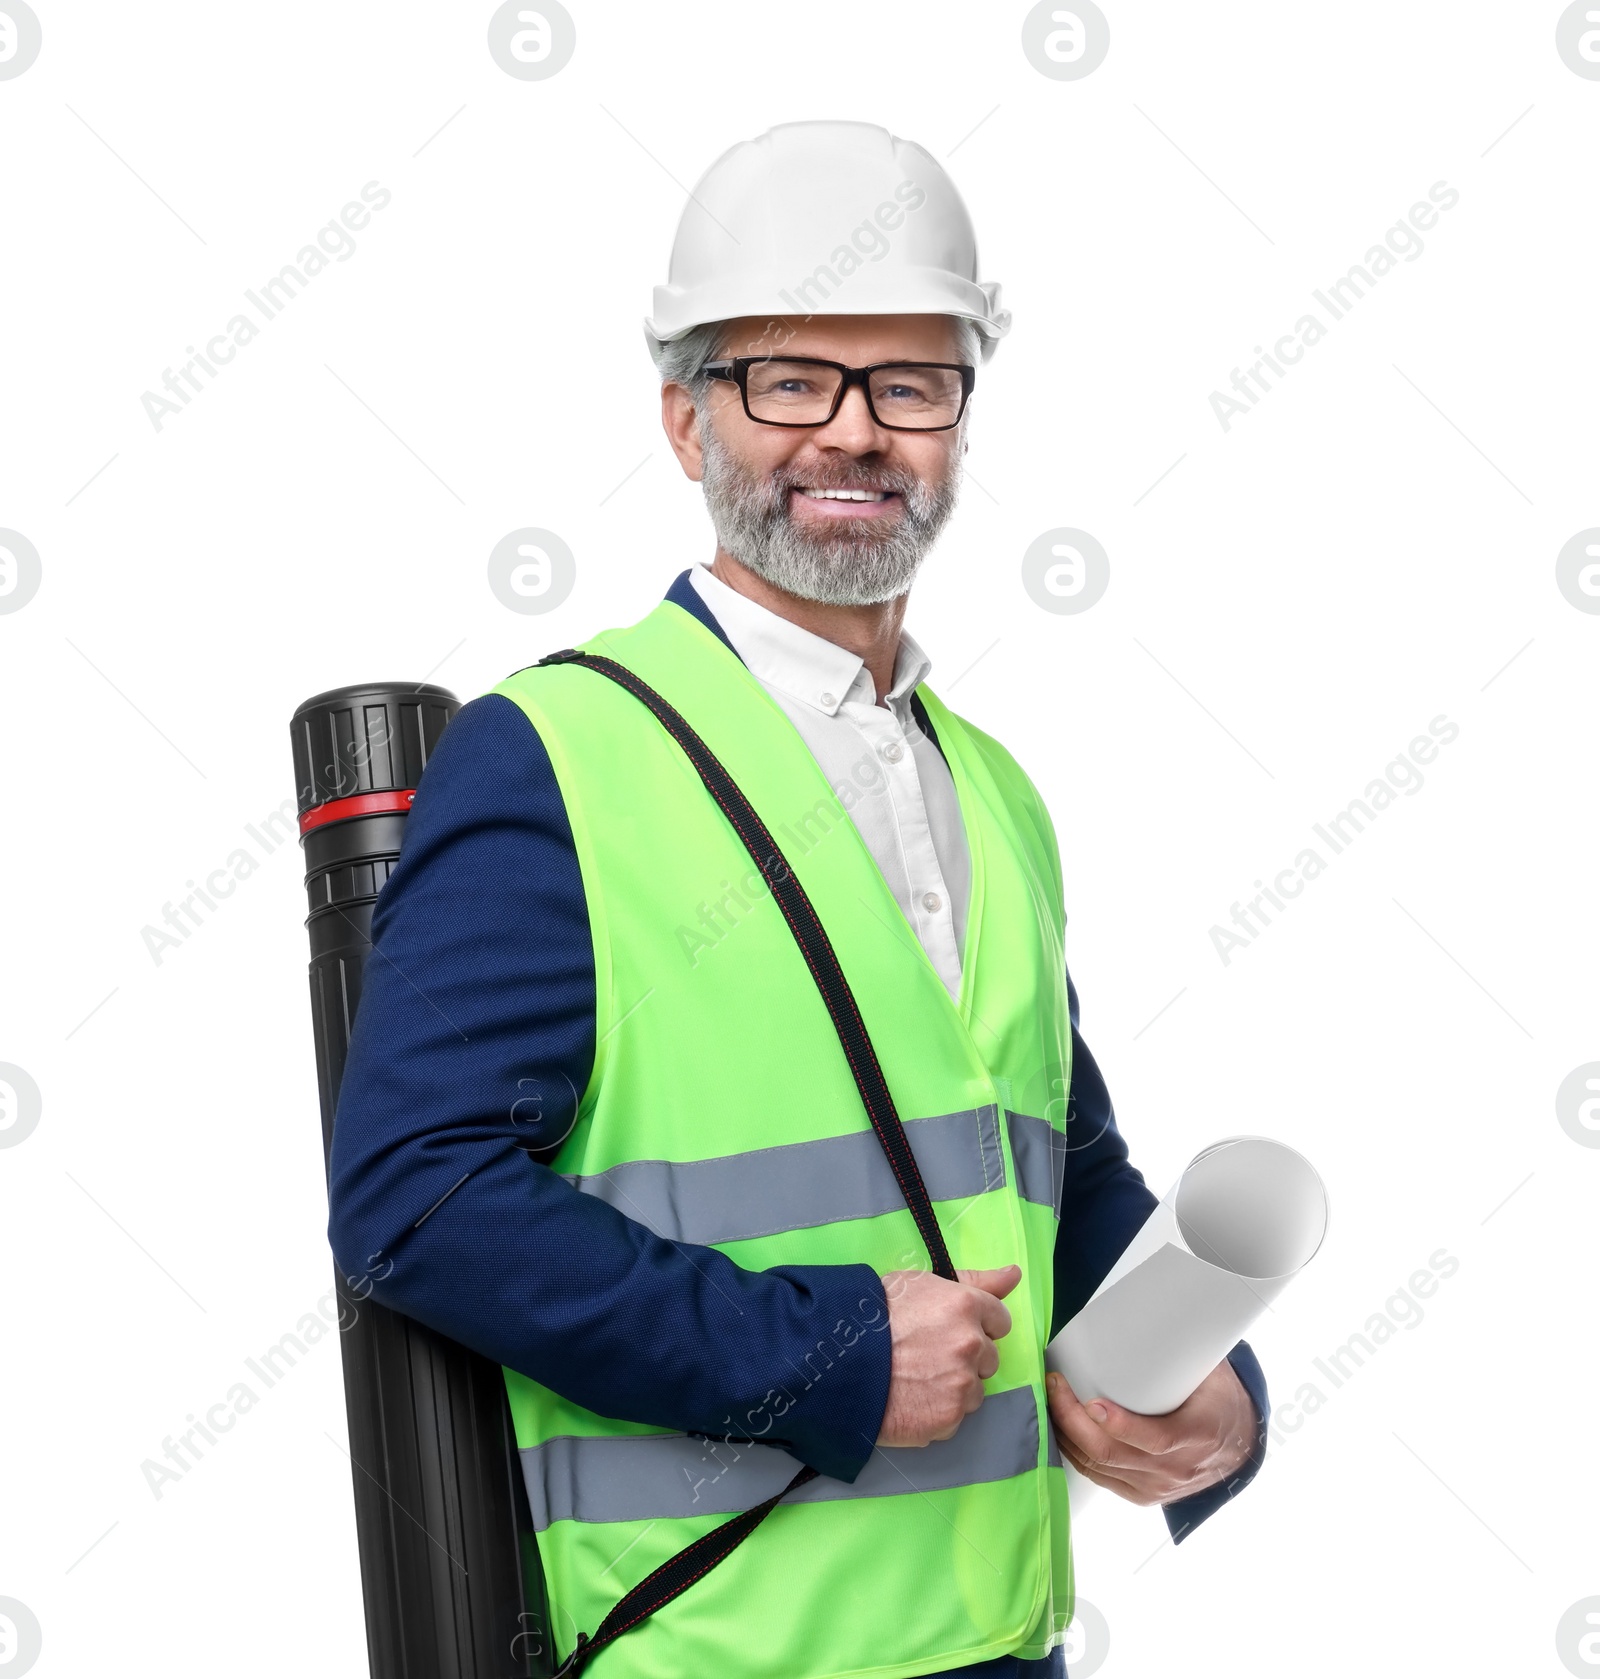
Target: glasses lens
915, 397
922, 398
791, 392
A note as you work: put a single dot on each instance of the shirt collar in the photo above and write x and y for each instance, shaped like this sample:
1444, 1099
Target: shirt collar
807, 667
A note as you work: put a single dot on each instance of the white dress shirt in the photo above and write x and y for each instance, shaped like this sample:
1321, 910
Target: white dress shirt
887, 774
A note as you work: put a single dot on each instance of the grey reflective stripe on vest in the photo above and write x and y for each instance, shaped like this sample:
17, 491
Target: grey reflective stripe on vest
645, 1477
1040, 1153
795, 1186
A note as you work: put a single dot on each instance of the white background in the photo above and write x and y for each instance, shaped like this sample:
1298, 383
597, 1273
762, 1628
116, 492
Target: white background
1289, 605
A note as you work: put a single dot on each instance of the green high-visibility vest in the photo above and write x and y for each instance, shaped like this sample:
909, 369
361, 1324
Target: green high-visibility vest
721, 1110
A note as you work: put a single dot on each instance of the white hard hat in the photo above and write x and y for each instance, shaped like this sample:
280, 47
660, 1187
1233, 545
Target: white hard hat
824, 218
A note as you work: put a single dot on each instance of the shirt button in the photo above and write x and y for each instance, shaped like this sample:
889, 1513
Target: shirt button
931, 900
827, 701
894, 752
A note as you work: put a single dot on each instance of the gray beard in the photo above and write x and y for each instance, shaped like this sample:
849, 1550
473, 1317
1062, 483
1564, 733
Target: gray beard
852, 566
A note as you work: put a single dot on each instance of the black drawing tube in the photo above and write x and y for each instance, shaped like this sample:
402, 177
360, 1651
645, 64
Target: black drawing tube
450, 1572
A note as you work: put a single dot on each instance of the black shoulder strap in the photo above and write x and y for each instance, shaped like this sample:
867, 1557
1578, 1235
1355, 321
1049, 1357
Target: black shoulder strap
924, 722
679, 1572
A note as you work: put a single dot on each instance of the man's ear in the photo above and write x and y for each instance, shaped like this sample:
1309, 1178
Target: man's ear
681, 423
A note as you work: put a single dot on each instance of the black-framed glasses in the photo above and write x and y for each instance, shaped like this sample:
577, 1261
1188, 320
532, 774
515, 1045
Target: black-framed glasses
807, 391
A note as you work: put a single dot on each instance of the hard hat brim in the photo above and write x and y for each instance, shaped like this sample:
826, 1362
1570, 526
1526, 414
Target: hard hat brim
928, 292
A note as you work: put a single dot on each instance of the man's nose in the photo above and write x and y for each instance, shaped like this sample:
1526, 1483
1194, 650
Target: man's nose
853, 428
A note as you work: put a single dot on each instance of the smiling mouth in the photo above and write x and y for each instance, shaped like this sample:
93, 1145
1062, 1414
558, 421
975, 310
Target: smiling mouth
847, 503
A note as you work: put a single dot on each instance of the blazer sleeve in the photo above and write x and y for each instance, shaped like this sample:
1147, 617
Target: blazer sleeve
1104, 1202
471, 1048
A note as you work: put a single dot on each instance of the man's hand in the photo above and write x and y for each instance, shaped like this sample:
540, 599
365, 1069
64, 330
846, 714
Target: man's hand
942, 1337
1154, 1460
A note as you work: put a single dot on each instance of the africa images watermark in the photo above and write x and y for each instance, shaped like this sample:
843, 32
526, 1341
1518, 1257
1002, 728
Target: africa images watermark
718, 916
333, 242
221, 883
1400, 775
1403, 241
1402, 1310
757, 1421
850, 253
275, 1362
338, 779
868, 241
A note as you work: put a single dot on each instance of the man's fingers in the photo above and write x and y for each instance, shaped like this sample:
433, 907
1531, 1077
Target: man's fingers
1093, 1443
993, 1318
992, 1286
1146, 1459
1153, 1435
1129, 1489
998, 1282
1106, 1449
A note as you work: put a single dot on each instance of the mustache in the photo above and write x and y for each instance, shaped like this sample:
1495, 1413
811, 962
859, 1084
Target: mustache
893, 480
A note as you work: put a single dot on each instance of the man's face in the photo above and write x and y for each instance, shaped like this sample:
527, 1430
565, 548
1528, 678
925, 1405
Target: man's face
763, 483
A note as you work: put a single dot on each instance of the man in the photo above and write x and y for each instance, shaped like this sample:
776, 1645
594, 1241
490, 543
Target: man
606, 1115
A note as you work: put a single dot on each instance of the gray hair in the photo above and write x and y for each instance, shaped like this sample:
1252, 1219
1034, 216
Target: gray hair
681, 359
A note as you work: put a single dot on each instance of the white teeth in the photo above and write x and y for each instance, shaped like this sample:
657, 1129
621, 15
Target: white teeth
846, 495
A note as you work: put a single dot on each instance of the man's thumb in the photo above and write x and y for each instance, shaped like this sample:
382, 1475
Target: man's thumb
999, 1282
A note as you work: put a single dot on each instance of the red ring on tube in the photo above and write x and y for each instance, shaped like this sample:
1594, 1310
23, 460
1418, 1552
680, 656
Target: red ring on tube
358, 804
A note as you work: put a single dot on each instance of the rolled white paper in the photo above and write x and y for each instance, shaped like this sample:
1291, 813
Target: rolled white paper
1245, 1217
